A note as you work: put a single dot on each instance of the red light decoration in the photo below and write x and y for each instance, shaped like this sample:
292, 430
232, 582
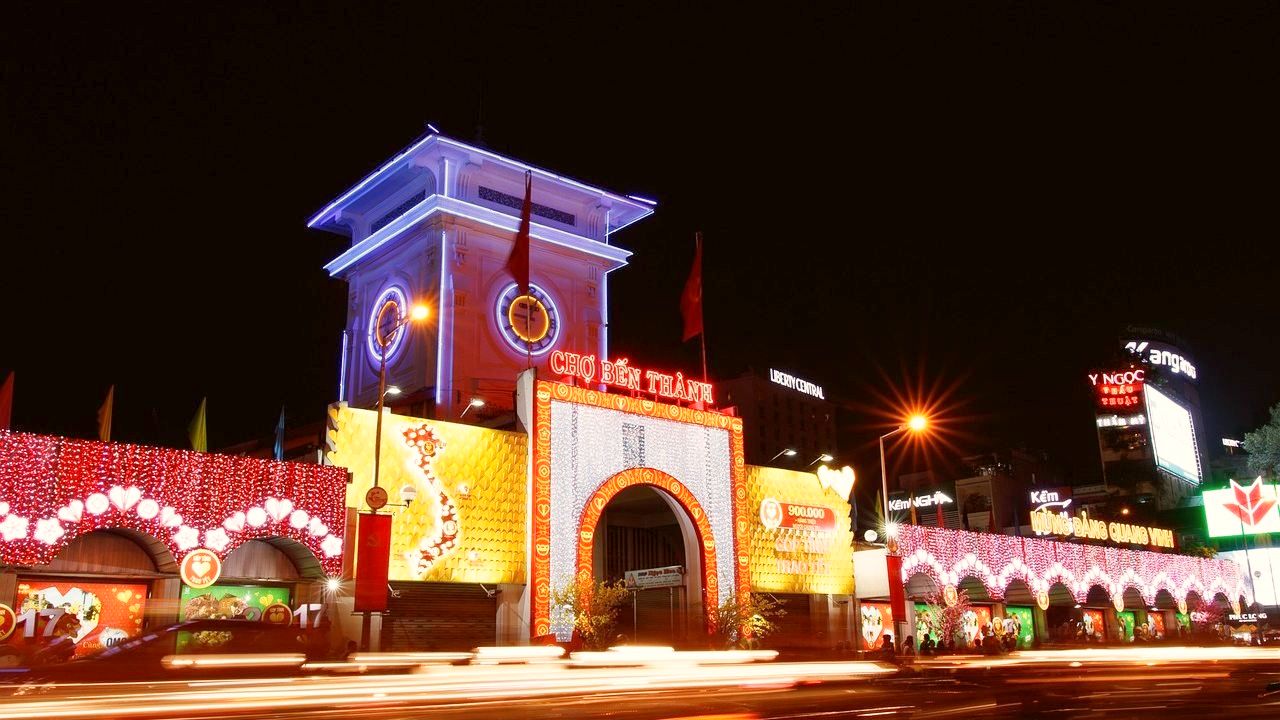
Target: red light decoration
949, 556
55, 489
1120, 390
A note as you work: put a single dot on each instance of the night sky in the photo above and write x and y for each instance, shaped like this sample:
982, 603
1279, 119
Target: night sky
959, 203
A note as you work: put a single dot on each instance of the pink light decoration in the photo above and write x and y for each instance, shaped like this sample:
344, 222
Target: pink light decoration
55, 489
950, 556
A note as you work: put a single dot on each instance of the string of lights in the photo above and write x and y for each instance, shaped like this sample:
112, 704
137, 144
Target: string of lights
55, 489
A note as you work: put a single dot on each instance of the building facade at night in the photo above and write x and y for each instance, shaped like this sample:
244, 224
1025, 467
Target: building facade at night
602, 469
1151, 435
782, 412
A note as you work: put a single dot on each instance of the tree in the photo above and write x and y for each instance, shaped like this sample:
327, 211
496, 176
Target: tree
945, 621
594, 610
1263, 446
753, 612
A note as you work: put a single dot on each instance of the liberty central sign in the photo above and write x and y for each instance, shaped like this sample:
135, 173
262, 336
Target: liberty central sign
795, 383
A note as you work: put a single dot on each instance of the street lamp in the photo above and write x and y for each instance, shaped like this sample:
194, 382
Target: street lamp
392, 390
916, 423
475, 403
384, 337
789, 452
824, 457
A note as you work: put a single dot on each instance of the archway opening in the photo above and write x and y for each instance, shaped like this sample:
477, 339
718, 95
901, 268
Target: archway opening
644, 529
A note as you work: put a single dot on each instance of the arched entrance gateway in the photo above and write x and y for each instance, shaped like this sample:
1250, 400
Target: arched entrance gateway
645, 520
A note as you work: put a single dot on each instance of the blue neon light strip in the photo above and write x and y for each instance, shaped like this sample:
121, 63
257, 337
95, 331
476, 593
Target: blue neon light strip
439, 204
637, 203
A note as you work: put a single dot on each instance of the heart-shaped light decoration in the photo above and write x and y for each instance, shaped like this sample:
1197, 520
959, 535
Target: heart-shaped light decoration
97, 504
71, 512
148, 509
278, 509
235, 523
124, 498
170, 517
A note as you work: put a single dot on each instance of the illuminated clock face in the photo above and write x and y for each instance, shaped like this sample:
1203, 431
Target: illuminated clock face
527, 322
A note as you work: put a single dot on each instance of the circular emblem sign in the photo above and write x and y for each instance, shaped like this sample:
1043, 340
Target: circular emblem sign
1042, 600
277, 614
770, 513
950, 595
1182, 606
200, 569
8, 621
376, 498
1117, 602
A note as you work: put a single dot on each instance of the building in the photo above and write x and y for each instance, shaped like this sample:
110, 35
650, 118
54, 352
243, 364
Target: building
781, 412
1151, 438
605, 470
435, 225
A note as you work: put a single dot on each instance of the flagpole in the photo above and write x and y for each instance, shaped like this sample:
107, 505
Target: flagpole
702, 336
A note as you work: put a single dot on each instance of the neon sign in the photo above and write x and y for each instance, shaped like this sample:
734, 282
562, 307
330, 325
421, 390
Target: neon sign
1119, 390
1242, 509
1044, 521
937, 497
791, 381
619, 373
1164, 355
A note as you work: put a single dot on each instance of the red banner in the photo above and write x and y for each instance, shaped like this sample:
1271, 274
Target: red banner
897, 591
373, 555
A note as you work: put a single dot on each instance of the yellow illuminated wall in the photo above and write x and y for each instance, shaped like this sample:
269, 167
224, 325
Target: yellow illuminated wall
467, 523
792, 560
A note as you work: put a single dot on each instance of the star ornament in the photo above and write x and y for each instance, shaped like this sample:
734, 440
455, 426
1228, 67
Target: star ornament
1247, 503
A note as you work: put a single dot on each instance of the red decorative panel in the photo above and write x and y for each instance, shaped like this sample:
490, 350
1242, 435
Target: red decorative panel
55, 489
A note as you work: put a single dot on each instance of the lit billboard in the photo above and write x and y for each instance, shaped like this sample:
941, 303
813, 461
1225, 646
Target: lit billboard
1236, 510
1173, 436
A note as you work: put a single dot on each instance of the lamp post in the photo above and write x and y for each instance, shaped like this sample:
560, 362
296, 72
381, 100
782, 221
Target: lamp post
917, 423
475, 403
789, 452
824, 457
418, 313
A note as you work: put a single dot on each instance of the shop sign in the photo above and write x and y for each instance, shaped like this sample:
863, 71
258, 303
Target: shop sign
795, 383
1247, 618
8, 621
1247, 510
671, 576
900, 503
619, 374
1050, 497
774, 515
1118, 390
1163, 355
200, 568
1045, 521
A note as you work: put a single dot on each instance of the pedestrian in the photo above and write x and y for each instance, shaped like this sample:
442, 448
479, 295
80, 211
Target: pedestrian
886, 648
908, 647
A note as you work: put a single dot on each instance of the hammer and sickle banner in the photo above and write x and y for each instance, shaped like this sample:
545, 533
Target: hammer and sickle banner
373, 555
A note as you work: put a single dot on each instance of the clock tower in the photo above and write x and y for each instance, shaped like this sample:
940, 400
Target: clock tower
435, 226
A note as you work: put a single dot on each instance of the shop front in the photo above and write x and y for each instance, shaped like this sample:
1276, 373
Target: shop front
608, 487
102, 541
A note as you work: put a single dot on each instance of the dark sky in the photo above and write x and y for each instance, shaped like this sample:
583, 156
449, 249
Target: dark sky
963, 201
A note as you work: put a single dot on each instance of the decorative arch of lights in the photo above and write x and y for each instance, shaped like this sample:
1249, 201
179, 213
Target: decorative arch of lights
665, 483
56, 489
949, 556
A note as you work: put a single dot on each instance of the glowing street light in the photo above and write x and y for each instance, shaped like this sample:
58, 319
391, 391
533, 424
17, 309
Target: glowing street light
475, 403
789, 452
392, 390
824, 457
917, 423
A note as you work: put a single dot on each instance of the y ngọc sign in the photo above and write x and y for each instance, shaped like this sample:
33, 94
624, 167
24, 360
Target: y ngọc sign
620, 374
1120, 390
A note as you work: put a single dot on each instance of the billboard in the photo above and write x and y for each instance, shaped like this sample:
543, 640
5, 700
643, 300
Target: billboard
1173, 436
96, 614
1237, 510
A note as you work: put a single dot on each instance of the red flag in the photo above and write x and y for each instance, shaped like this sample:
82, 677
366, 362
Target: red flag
991, 518
941, 522
6, 402
897, 588
518, 263
373, 555
691, 298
